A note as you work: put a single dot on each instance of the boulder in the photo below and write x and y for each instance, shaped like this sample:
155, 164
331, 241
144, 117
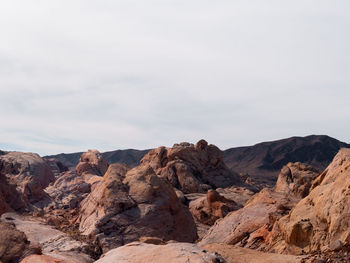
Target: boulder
234, 254
124, 207
91, 163
192, 168
43, 259
320, 219
211, 207
56, 166
137, 252
30, 174
296, 178
53, 242
14, 244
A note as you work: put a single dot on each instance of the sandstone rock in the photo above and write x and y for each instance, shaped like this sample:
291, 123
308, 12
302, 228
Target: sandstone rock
238, 194
296, 178
52, 241
56, 166
174, 252
14, 244
42, 259
91, 163
30, 174
234, 254
321, 218
211, 207
192, 168
122, 208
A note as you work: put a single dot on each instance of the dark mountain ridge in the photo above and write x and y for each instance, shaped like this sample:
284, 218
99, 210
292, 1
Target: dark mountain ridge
261, 162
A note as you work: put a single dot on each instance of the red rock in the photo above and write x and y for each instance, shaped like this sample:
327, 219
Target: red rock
124, 207
191, 168
91, 163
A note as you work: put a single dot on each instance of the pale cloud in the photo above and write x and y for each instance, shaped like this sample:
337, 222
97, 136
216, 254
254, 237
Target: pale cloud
137, 74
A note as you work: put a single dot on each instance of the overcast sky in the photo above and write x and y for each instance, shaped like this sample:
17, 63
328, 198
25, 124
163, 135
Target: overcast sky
114, 74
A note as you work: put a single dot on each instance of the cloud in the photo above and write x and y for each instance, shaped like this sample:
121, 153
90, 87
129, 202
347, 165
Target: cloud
137, 74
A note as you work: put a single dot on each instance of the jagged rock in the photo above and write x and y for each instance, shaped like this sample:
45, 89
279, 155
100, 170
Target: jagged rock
252, 225
296, 178
14, 244
52, 241
192, 168
211, 207
234, 254
91, 164
321, 218
124, 207
30, 174
57, 167
173, 253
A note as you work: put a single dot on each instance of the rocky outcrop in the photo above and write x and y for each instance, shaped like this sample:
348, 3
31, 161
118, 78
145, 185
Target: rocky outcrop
192, 168
320, 221
29, 174
124, 207
174, 252
211, 207
53, 242
14, 244
43, 259
56, 166
91, 163
252, 225
296, 178
234, 254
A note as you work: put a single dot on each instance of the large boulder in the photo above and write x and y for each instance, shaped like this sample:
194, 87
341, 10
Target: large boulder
53, 242
91, 163
173, 253
296, 178
14, 244
320, 221
211, 207
29, 174
192, 168
124, 207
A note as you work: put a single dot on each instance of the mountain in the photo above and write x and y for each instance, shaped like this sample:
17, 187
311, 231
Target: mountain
130, 157
263, 161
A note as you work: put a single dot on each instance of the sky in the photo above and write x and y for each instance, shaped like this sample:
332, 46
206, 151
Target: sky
118, 74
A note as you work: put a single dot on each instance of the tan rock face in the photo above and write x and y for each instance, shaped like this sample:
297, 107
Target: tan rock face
43, 259
213, 206
252, 225
319, 219
124, 207
91, 163
234, 254
192, 168
29, 174
174, 252
296, 178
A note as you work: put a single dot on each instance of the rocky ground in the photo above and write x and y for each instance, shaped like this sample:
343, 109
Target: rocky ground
180, 204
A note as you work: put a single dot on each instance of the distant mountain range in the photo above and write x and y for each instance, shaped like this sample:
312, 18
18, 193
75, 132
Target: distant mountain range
261, 162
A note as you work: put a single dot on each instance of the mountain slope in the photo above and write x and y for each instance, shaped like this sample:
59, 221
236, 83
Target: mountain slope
263, 161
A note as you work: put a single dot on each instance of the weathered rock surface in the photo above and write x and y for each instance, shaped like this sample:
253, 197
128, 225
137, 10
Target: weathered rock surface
52, 241
30, 174
322, 218
296, 178
252, 225
56, 166
124, 207
14, 244
137, 252
234, 254
211, 207
91, 164
192, 168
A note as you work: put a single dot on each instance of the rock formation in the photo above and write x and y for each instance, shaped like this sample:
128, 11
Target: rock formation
251, 226
174, 252
211, 207
29, 174
123, 207
91, 164
320, 221
192, 168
